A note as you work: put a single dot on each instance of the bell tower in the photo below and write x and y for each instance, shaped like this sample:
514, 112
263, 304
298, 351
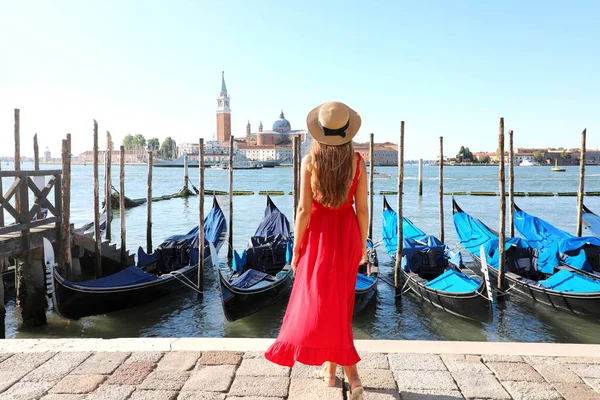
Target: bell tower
223, 113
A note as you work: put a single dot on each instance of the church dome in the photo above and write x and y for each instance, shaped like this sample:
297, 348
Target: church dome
282, 125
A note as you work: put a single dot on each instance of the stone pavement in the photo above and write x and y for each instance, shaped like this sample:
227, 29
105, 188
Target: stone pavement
163, 369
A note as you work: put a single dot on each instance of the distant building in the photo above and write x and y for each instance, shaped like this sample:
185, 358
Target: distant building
131, 157
265, 152
280, 135
223, 114
520, 157
47, 156
385, 153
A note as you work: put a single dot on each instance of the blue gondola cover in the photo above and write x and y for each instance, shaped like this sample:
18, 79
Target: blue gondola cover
454, 282
363, 282
126, 277
568, 281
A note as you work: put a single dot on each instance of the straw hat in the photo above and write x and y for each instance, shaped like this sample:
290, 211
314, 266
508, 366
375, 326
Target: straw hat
333, 123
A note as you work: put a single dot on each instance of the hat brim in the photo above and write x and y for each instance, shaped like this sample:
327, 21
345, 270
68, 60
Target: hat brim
312, 122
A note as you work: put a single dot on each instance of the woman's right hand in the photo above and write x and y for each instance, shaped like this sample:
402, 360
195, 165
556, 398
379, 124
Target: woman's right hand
363, 260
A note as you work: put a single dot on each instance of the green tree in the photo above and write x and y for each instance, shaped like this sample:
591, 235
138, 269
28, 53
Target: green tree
460, 154
139, 142
538, 156
153, 144
168, 149
485, 160
467, 155
128, 142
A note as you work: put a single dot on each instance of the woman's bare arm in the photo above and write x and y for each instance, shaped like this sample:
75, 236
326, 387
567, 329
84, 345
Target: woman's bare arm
304, 206
360, 200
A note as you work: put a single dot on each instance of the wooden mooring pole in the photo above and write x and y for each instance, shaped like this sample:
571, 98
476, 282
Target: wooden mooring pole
122, 205
36, 167
185, 171
108, 185
511, 184
65, 195
17, 150
201, 218
149, 206
441, 189
400, 225
371, 180
97, 236
230, 239
502, 229
580, 192
420, 181
295, 173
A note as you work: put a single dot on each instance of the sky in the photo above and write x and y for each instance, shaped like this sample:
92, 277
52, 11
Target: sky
447, 68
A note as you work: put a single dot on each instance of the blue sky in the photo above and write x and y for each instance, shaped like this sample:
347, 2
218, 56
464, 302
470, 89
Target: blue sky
448, 68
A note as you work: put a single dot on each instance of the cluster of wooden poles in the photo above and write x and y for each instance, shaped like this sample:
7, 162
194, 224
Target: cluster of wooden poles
502, 183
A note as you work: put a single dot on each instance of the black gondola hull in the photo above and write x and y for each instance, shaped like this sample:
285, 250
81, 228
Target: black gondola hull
584, 304
473, 306
76, 302
240, 303
363, 297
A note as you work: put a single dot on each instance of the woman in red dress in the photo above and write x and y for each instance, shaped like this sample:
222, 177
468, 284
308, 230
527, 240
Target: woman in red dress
329, 245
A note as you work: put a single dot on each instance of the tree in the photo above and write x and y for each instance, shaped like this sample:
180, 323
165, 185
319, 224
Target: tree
468, 155
139, 142
128, 142
485, 160
464, 154
538, 156
153, 144
168, 149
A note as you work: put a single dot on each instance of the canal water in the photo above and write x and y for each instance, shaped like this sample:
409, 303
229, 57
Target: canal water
183, 315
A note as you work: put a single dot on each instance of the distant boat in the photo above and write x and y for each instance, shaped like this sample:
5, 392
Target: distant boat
557, 168
526, 163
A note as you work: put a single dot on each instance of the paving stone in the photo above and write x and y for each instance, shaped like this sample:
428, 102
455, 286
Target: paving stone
152, 356
153, 395
9, 378
132, 373
306, 389
252, 398
165, 380
418, 362
441, 380
179, 360
25, 362
594, 383
57, 367
220, 358
576, 391
585, 370
205, 396
373, 361
77, 384
26, 391
101, 363
501, 358
258, 367
463, 364
4, 356
558, 373
377, 379
63, 397
112, 392
211, 378
310, 372
578, 360
375, 394
531, 390
413, 394
480, 386
268, 386
514, 371
254, 354
540, 360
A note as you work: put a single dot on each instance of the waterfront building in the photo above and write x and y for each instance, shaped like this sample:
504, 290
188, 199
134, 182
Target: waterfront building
266, 152
385, 153
521, 157
280, 135
47, 156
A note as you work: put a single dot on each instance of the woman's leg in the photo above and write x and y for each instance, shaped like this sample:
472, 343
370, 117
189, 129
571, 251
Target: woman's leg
352, 376
328, 373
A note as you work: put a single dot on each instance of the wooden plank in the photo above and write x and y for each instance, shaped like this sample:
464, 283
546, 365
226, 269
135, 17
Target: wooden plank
12, 228
44, 172
41, 197
14, 246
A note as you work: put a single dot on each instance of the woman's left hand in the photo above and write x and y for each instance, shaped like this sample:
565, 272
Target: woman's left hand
294, 262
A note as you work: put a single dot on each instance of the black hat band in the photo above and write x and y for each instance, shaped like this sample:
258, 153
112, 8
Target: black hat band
335, 132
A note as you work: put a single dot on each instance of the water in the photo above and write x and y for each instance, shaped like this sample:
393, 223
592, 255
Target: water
182, 315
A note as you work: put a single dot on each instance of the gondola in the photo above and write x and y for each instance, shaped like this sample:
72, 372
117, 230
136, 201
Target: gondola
366, 281
591, 221
435, 273
261, 275
530, 274
175, 266
576, 252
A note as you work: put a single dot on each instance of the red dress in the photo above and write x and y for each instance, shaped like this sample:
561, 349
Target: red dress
317, 326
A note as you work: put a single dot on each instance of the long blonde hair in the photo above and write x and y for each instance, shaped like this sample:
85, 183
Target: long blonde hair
331, 173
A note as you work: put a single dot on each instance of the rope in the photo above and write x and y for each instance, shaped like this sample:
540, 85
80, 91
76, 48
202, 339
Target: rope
507, 291
178, 275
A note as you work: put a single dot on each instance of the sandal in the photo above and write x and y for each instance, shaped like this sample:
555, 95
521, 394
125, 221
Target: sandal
358, 392
328, 380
